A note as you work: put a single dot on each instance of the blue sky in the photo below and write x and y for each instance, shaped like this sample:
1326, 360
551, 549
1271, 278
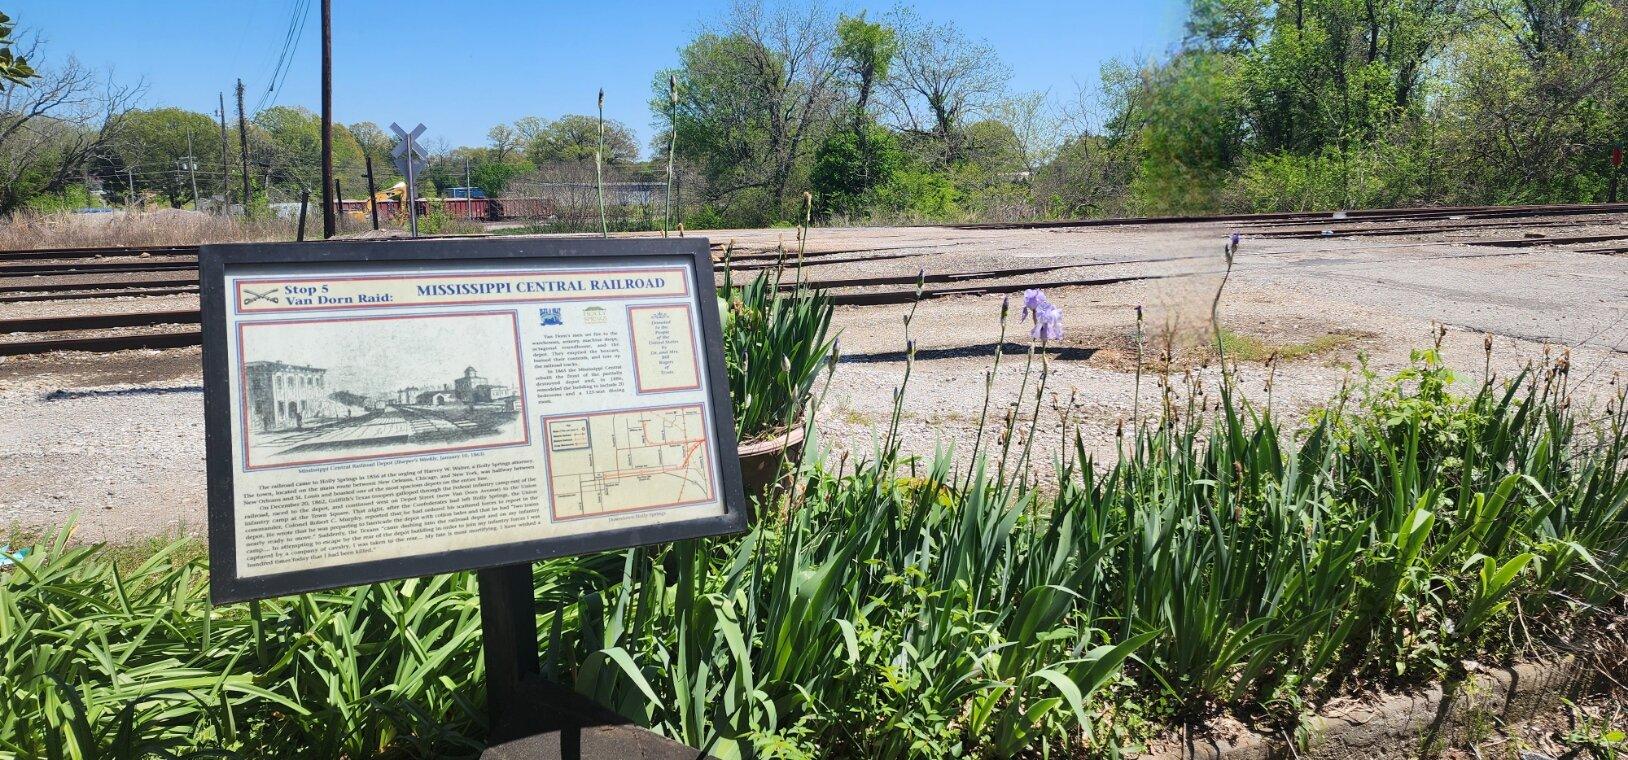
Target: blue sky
461, 67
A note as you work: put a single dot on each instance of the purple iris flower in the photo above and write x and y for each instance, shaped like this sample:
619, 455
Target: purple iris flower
1048, 323
1033, 301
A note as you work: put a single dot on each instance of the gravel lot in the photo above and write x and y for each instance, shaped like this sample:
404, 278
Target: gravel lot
117, 439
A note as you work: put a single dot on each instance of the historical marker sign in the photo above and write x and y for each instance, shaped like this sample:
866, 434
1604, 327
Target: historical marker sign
384, 409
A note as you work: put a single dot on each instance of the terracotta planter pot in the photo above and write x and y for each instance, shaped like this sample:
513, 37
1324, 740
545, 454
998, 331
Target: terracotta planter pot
760, 460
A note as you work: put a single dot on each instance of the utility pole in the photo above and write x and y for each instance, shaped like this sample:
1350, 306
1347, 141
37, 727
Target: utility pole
192, 169
1616, 170
225, 163
130, 176
372, 194
327, 117
243, 148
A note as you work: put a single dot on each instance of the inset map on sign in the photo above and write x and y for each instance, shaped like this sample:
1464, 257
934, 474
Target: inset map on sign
627, 461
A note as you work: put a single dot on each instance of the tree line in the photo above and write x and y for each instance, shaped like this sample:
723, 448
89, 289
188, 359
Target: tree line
1263, 105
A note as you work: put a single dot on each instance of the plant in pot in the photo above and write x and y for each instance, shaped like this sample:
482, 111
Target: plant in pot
775, 344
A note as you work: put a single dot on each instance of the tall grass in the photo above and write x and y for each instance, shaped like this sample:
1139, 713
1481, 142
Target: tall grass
903, 607
24, 230
27, 230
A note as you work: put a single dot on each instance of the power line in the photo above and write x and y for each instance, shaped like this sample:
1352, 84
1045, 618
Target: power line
285, 58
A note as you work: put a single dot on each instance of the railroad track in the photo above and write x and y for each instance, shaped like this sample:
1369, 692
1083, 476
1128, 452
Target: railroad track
158, 251
118, 260
54, 294
97, 267
100, 343
92, 273
1293, 217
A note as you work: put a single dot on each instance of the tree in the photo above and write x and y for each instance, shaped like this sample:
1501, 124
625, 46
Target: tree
504, 141
992, 146
848, 166
941, 80
1091, 172
494, 177
1538, 98
753, 103
865, 51
575, 137
1035, 129
287, 145
154, 148
51, 131
1193, 135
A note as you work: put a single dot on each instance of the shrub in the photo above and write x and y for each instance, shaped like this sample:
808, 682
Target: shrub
918, 195
846, 171
775, 344
71, 198
901, 608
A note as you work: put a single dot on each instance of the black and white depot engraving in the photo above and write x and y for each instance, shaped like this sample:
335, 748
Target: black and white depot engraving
336, 390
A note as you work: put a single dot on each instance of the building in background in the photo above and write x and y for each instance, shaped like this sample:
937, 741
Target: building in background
286, 396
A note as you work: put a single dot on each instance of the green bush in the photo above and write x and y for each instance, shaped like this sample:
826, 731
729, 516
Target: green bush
705, 218
72, 198
1375, 176
905, 608
918, 195
847, 171
775, 344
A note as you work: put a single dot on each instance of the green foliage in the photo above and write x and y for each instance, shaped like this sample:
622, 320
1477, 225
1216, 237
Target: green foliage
727, 86
101, 661
13, 68
575, 137
905, 608
1381, 175
918, 194
867, 50
705, 218
154, 149
992, 146
774, 348
1192, 137
290, 139
71, 198
494, 177
436, 221
849, 166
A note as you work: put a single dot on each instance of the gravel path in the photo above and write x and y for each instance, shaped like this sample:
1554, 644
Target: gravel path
118, 439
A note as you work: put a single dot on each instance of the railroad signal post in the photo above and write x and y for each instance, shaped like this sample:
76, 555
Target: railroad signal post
410, 159
382, 410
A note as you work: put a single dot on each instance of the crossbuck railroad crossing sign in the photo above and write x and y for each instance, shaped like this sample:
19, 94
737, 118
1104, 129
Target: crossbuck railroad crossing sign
410, 160
407, 145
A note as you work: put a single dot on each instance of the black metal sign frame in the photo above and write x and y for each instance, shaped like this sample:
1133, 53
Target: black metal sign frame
217, 261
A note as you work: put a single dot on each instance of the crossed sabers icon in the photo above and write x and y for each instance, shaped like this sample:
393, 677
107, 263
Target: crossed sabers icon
270, 295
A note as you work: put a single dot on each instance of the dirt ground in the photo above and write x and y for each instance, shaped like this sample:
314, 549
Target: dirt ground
117, 439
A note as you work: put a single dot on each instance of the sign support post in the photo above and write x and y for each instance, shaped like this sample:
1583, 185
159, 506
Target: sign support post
509, 636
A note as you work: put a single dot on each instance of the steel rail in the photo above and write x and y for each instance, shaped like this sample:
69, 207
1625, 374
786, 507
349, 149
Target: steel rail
99, 343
